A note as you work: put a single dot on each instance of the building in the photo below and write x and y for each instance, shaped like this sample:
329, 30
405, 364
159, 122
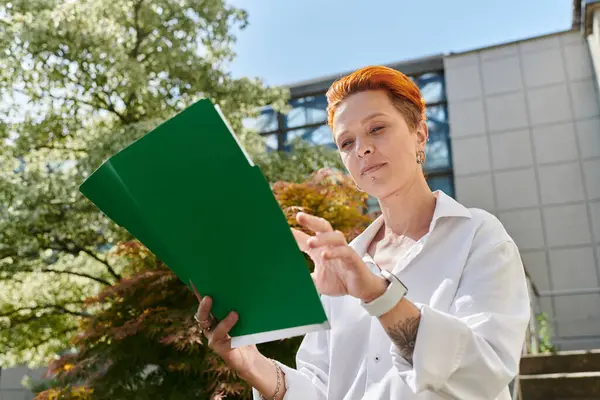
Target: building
514, 129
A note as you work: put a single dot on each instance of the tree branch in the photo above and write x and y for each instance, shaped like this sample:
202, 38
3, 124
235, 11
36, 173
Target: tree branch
55, 271
80, 274
52, 336
139, 35
11, 279
50, 147
64, 248
110, 107
108, 267
10, 252
76, 249
57, 310
105, 104
6, 22
65, 98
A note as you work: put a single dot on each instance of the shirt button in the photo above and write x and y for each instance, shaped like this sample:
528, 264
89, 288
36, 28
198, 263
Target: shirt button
376, 359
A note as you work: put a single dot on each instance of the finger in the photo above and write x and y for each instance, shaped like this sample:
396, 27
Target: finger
345, 253
335, 238
301, 239
196, 292
220, 333
203, 313
316, 276
315, 224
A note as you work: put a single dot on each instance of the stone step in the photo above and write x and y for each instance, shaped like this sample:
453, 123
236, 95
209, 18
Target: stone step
561, 362
561, 386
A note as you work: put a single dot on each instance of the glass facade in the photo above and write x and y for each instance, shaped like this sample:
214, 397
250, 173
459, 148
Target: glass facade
307, 110
266, 121
316, 135
308, 120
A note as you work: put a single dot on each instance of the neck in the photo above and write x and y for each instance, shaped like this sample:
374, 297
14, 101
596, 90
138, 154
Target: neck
409, 212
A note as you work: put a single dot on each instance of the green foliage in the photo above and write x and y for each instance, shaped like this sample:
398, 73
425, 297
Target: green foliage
144, 343
544, 332
70, 393
79, 80
298, 165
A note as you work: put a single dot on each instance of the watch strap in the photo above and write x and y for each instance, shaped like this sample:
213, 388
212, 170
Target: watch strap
388, 300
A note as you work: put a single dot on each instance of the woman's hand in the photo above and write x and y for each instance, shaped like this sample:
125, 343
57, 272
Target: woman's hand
339, 270
240, 359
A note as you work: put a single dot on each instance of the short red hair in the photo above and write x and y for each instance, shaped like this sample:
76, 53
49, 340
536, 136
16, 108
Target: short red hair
403, 92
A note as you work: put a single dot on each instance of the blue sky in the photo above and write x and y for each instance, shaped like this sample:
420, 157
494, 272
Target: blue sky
289, 41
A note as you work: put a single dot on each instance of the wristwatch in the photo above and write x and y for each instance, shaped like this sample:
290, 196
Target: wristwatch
388, 300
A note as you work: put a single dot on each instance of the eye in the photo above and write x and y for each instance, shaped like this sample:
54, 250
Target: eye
346, 143
376, 129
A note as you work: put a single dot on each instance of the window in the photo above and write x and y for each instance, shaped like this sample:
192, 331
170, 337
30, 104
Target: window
271, 142
432, 87
318, 136
438, 144
265, 122
307, 111
443, 183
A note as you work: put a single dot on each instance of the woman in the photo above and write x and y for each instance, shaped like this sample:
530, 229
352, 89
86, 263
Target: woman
458, 331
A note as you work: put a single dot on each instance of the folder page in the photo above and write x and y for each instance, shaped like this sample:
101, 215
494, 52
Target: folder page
204, 204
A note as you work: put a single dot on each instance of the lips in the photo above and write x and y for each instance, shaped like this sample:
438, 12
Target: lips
367, 169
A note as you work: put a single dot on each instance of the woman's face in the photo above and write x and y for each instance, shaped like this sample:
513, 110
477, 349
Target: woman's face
376, 145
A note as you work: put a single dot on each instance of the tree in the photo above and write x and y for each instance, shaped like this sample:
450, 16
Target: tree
78, 81
298, 165
144, 343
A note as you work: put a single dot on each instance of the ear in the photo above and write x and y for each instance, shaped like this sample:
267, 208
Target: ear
422, 134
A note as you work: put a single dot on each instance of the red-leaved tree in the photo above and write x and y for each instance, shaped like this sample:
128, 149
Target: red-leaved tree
143, 343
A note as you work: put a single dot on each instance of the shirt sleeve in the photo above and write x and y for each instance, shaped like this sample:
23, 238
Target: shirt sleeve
309, 381
473, 351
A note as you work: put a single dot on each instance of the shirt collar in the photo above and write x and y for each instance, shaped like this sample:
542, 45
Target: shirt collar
445, 207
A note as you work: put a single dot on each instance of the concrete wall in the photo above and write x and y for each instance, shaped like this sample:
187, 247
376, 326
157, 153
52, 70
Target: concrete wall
10, 383
593, 42
525, 132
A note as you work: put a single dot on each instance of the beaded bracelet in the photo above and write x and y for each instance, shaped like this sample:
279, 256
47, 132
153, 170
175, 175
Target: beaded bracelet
278, 387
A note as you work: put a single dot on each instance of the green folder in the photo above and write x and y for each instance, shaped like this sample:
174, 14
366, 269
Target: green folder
191, 194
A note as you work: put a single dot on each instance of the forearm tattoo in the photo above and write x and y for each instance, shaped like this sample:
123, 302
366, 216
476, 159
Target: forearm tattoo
404, 335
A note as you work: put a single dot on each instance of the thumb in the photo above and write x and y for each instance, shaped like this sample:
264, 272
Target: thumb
313, 275
301, 239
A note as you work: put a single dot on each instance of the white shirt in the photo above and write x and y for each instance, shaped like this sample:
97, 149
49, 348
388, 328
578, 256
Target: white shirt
467, 278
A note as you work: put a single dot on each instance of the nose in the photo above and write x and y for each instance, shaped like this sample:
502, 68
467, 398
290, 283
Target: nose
364, 147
